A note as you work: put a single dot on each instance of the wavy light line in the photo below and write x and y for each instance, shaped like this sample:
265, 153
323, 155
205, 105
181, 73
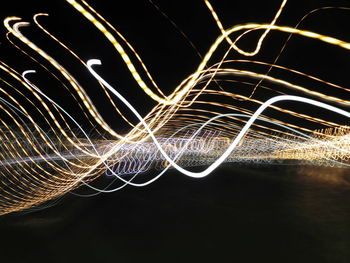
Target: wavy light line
210, 118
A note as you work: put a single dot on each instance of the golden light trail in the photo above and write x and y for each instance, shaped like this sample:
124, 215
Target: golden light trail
210, 118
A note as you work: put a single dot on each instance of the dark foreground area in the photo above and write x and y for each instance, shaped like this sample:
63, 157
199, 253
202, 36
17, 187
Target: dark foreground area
237, 214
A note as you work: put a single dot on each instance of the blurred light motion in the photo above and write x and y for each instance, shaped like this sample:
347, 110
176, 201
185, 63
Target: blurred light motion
222, 112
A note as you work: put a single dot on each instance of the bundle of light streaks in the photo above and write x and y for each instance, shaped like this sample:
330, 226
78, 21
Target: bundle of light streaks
231, 110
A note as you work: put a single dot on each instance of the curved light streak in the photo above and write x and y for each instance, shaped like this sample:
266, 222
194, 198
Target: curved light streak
207, 119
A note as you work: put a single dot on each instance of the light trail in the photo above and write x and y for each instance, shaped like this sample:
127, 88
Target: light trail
210, 118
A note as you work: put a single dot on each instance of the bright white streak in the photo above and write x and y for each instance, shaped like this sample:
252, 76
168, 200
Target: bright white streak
235, 142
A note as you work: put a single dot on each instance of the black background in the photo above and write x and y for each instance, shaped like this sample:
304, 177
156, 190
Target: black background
238, 213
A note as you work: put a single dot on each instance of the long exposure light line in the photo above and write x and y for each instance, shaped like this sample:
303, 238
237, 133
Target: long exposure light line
209, 118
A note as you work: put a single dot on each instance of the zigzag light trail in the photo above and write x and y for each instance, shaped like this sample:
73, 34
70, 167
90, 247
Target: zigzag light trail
216, 115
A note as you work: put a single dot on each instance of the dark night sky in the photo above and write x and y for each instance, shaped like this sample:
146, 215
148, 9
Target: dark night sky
237, 214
